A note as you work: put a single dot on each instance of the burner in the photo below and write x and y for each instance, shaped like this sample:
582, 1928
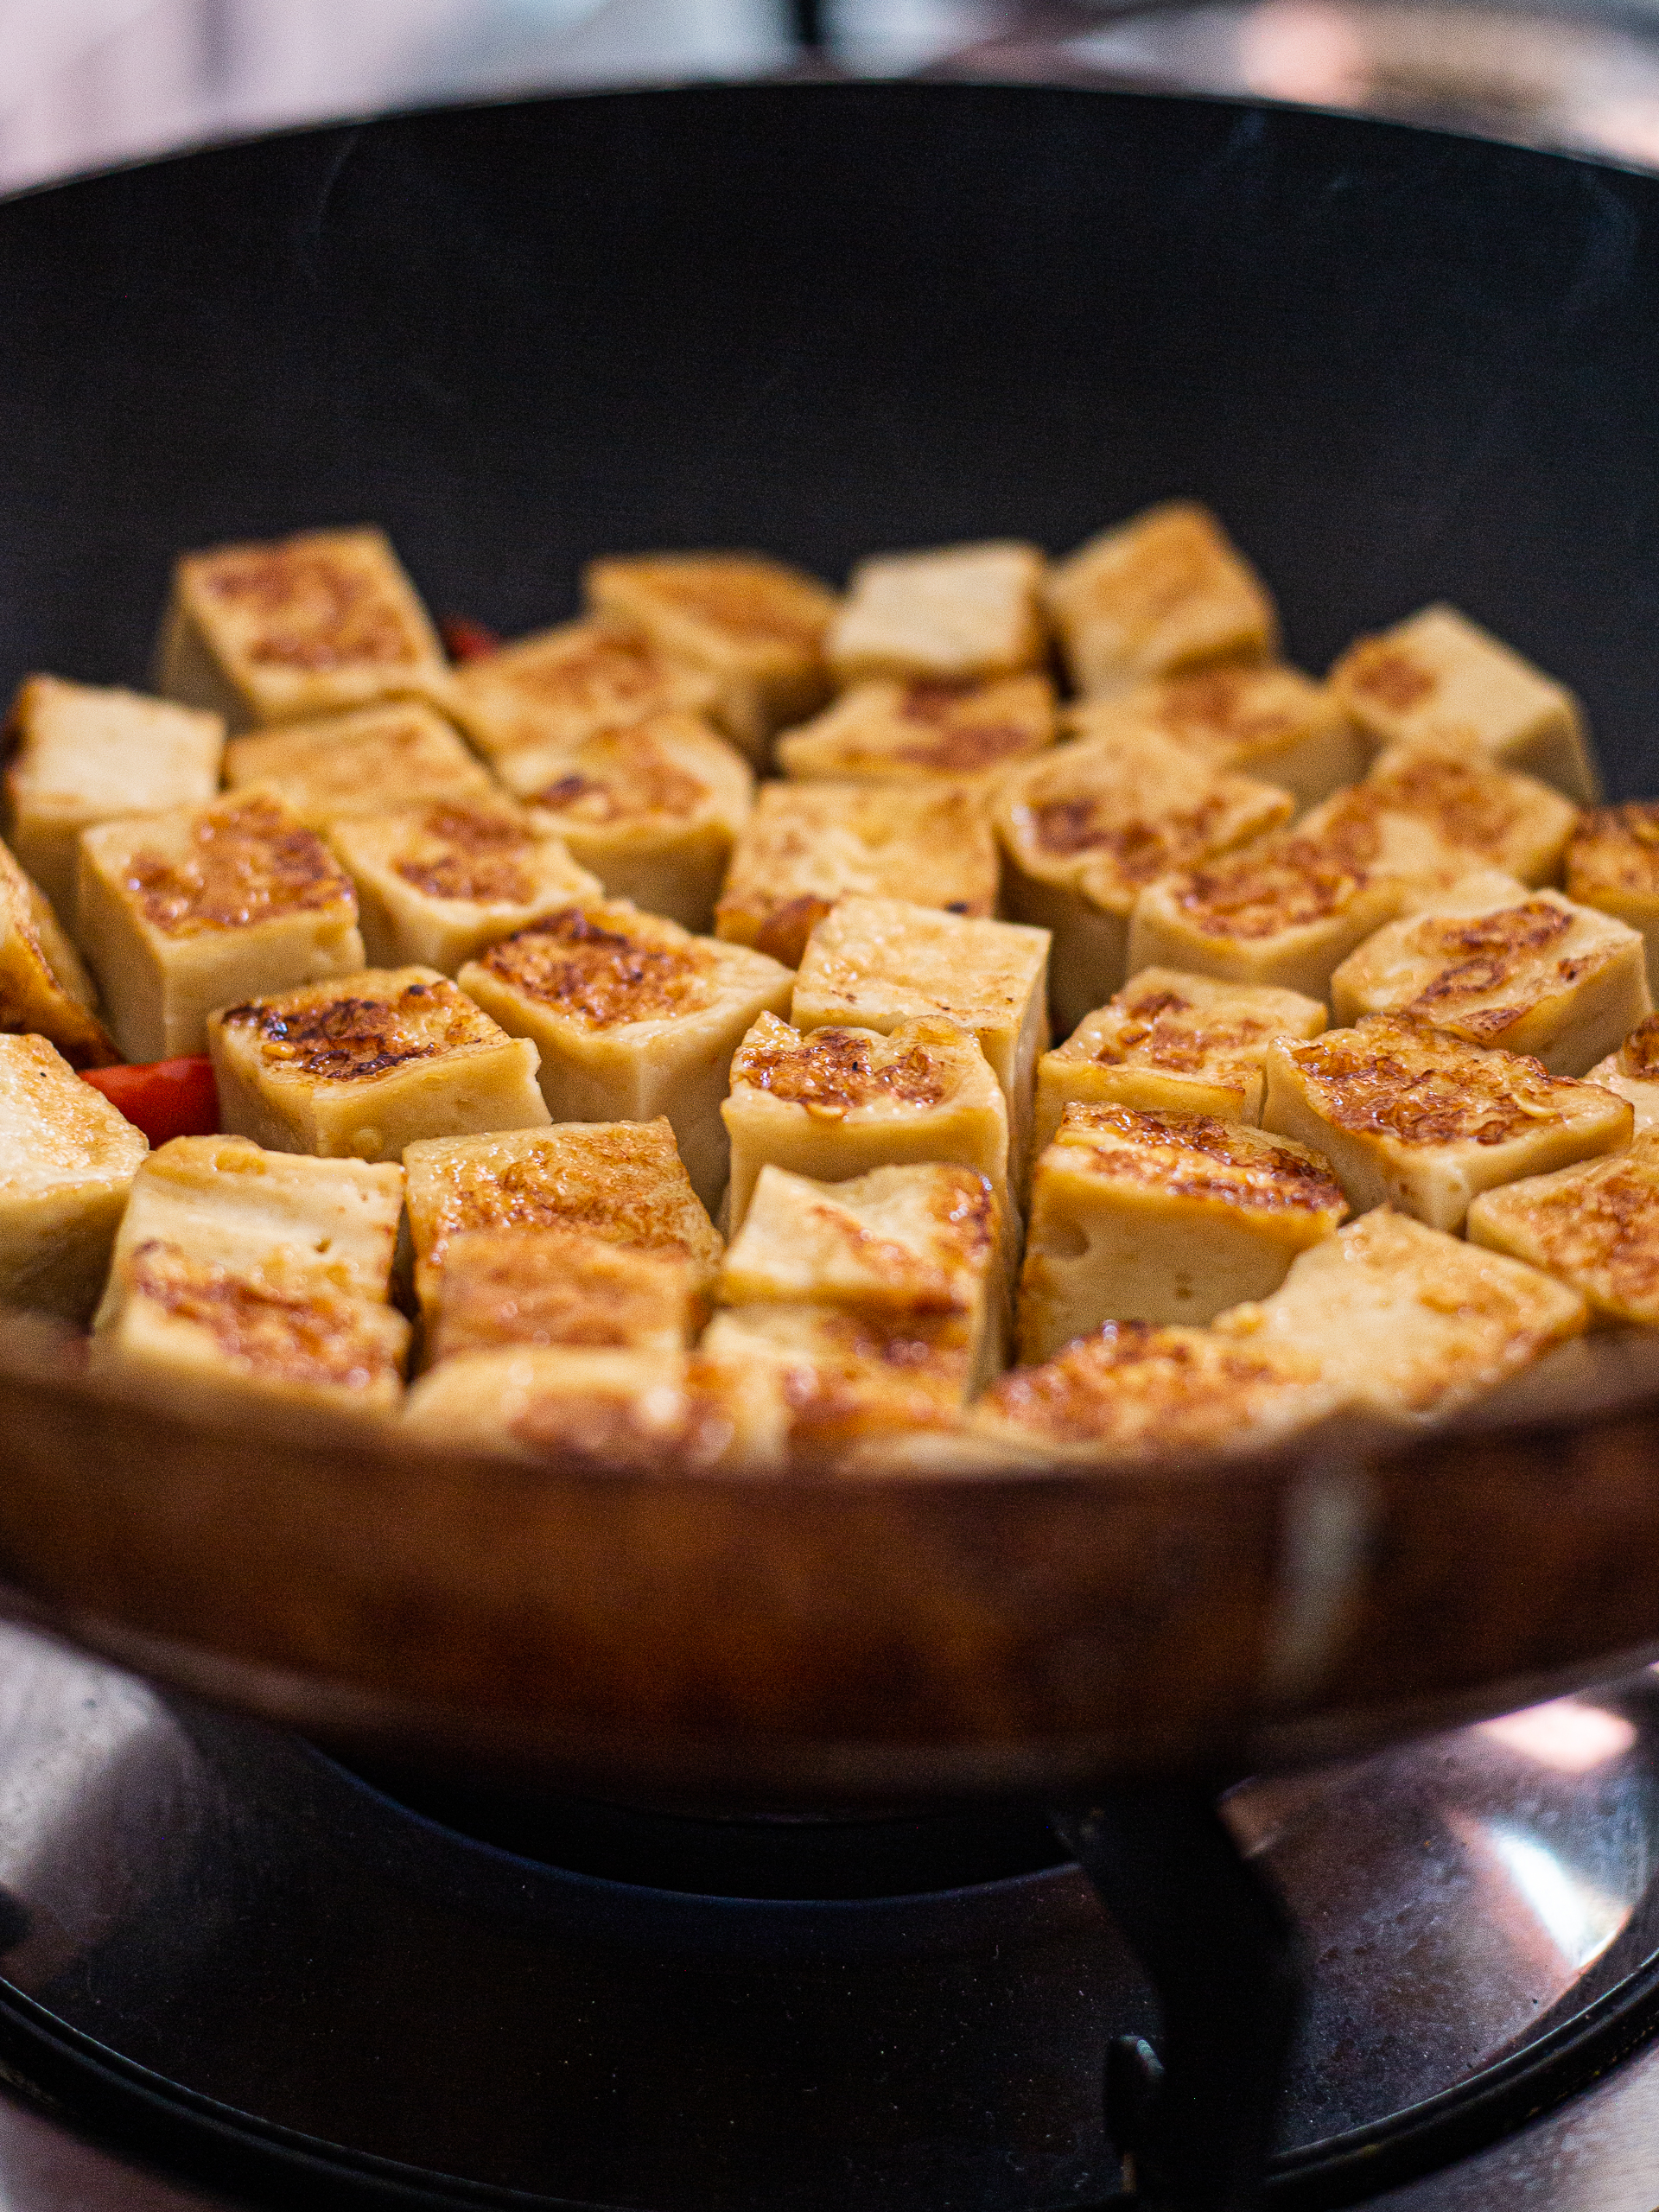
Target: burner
284, 1974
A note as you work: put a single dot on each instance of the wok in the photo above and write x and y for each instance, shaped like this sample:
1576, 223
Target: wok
822, 319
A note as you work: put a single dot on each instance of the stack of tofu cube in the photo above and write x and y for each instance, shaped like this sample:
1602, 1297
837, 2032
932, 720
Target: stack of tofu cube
1018, 960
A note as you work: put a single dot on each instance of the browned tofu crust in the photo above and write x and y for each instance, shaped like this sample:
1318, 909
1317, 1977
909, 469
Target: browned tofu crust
470, 850
1614, 852
1470, 805
1596, 1226
300, 604
1639, 1056
832, 1072
930, 726
44, 991
557, 1284
1155, 1025
607, 965
335, 1034
619, 776
1284, 883
1195, 1156
249, 862
563, 686
1391, 1075
274, 1324
743, 596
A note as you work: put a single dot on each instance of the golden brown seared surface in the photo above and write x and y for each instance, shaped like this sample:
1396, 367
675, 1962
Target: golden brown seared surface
1160, 592
843, 1376
1196, 1156
833, 1072
1137, 1390
1614, 852
1189, 1025
1639, 1056
604, 965
1391, 1075
378, 1020
246, 860
44, 991
1485, 954
311, 602
559, 1285
620, 775
745, 597
807, 845
621, 1180
1228, 711
356, 764
929, 726
1283, 883
1513, 821
565, 685
276, 1323
473, 852
56, 1131
920, 1238
1596, 1226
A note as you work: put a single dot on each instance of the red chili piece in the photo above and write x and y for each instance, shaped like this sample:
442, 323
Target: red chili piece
464, 639
166, 1098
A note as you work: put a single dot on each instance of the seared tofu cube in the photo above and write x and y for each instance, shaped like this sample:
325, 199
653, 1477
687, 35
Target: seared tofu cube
1407, 1322
925, 1240
1163, 1217
653, 810
1086, 828
830, 1389
807, 845
561, 686
556, 1404
44, 991
961, 612
1612, 864
1595, 1226
834, 1104
1534, 973
1439, 680
1273, 724
1411, 1116
357, 1070
437, 884
561, 1286
621, 1181
1170, 1043
888, 732
241, 1277
1633, 1072
183, 912
82, 754
634, 1017
874, 964
305, 626
1285, 913
753, 625
66, 1163
357, 764
1476, 814
1132, 1394
1162, 593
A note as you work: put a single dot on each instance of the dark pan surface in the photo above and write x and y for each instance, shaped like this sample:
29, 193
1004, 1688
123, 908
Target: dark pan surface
825, 320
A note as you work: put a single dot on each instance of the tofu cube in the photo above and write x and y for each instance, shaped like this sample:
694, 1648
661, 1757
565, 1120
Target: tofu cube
1134, 1394
1411, 1116
1439, 680
1475, 813
1171, 1043
889, 732
499, 1287
230, 1204
437, 884
1163, 1217
634, 1017
1087, 828
66, 1163
44, 991
1284, 913
653, 810
1612, 864
1633, 1072
1534, 973
754, 627
357, 764
961, 612
574, 1407
836, 1103
925, 1240
561, 686
241, 1277
1161, 594
82, 754
807, 845
183, 912
1272, 722
620, 1181
1407, 1323
875, 963
359, 1069
1595, 1226
305, 626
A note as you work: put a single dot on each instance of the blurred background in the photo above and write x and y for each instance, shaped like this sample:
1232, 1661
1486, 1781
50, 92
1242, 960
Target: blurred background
87, 82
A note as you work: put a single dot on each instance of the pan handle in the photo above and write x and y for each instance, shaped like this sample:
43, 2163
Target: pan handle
1192, 2124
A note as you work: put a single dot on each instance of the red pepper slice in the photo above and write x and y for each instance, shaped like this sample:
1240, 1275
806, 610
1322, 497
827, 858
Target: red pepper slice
166, 1098
464, 639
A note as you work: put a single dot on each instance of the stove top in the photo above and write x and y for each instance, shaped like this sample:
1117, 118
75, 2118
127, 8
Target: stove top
229, 1957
